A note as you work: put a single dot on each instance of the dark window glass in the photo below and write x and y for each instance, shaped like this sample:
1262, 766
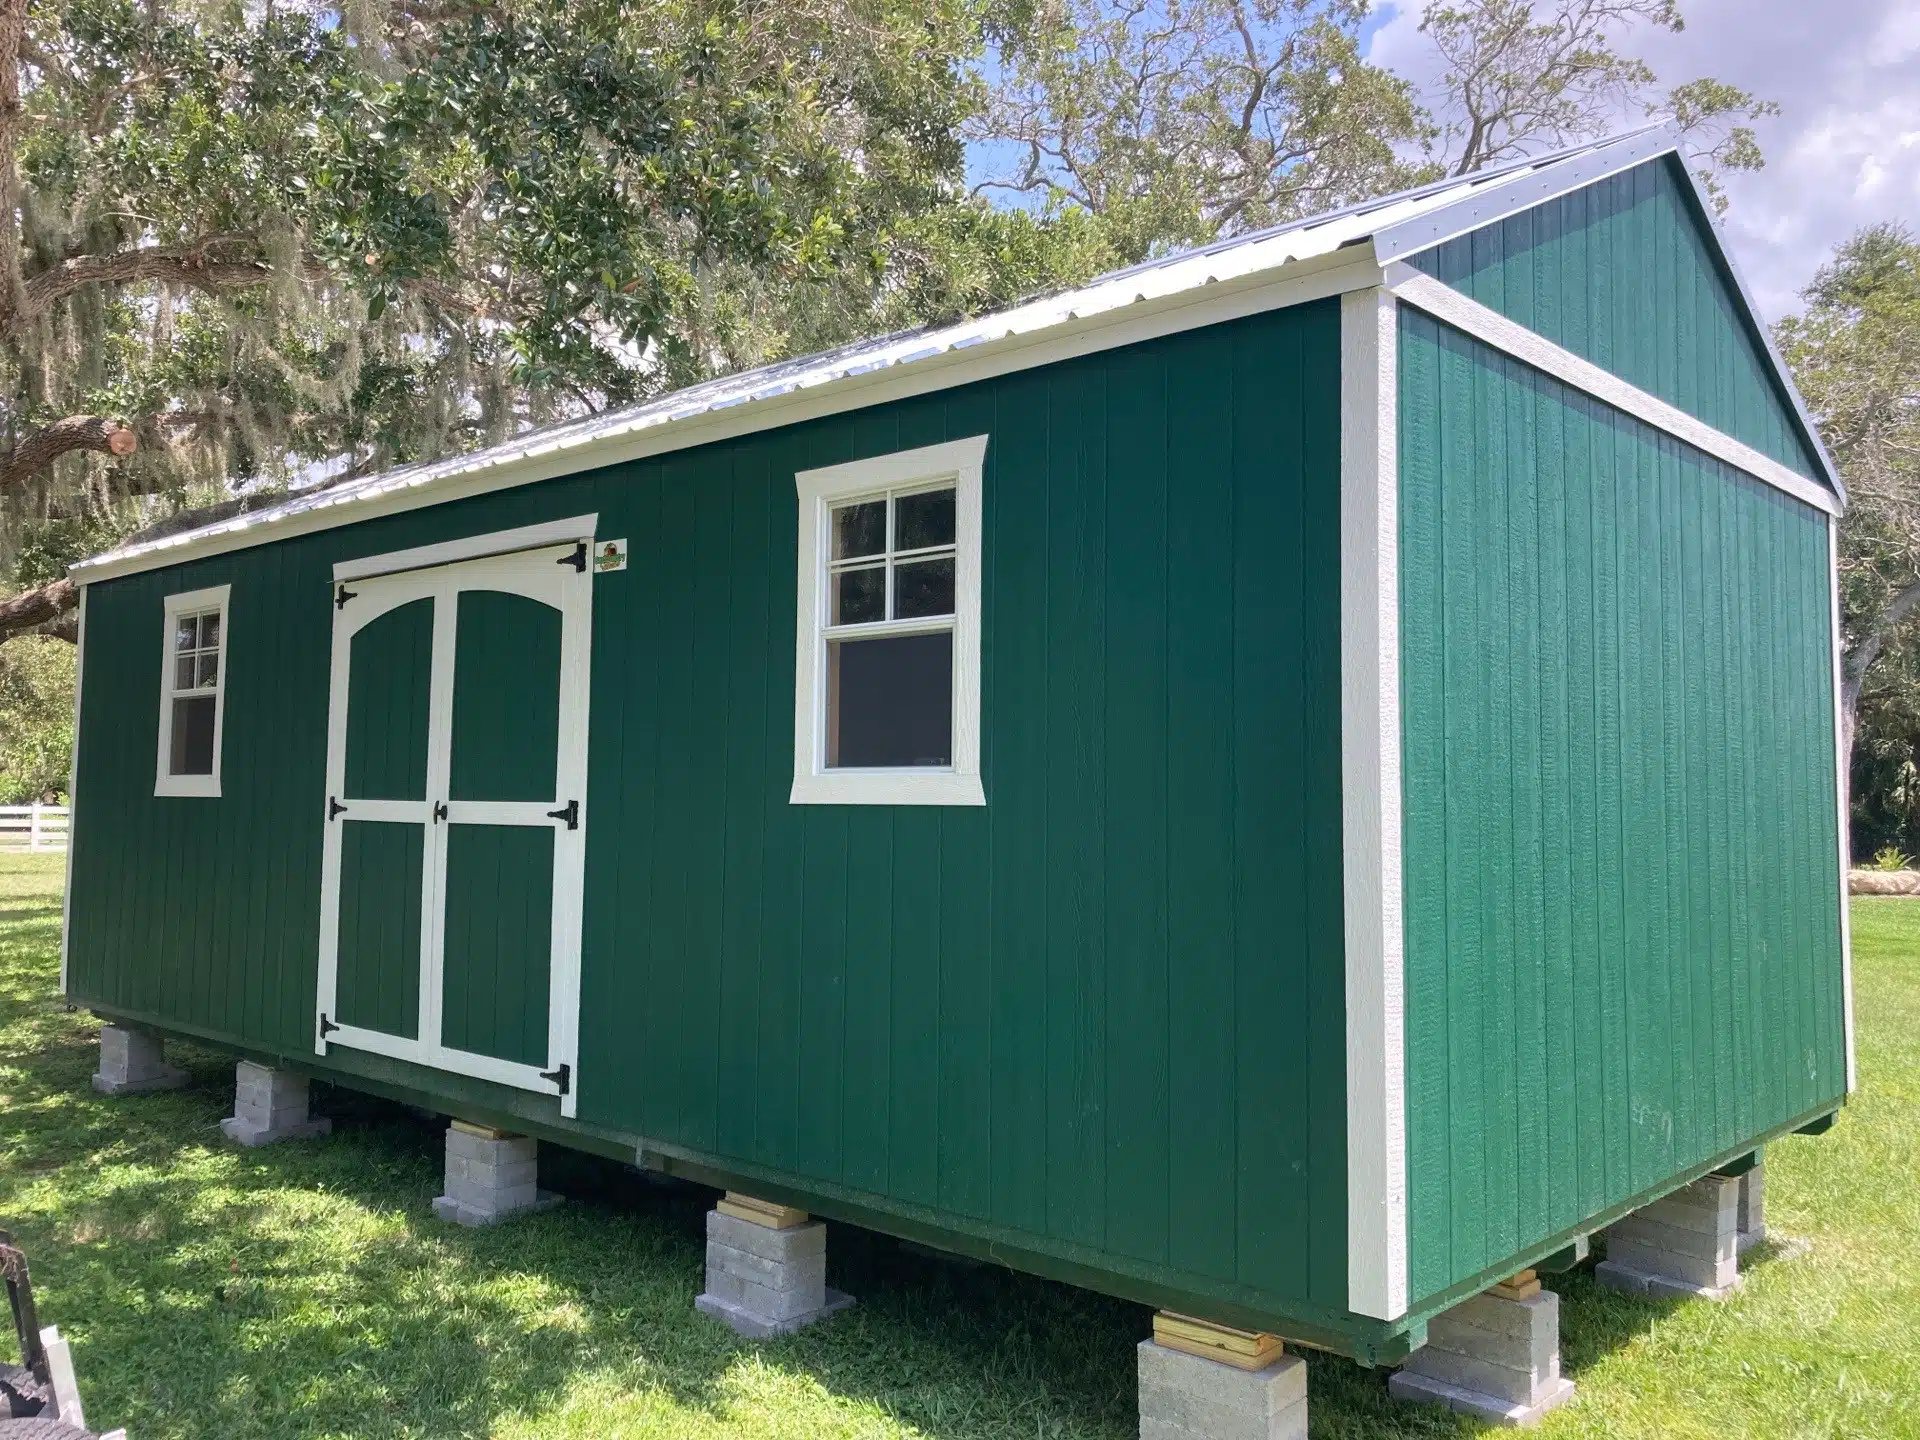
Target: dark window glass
923, 521
923, 587
890, 702
859, 596
210, 631
192, 736
186, 632
860, 530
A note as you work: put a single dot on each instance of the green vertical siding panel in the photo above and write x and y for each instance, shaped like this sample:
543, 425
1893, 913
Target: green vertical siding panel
1624, 273
506, 698
1200, 873
387, 711
1137, 956
1616, 715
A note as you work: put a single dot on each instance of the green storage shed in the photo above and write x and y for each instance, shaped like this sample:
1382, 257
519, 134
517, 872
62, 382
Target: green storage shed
1291, 783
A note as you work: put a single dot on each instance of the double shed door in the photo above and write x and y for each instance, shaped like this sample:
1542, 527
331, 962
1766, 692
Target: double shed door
456, 817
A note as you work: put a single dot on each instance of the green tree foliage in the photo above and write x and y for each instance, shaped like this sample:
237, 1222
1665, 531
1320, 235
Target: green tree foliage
274, 245
1855, 352
36, 718
1178, 121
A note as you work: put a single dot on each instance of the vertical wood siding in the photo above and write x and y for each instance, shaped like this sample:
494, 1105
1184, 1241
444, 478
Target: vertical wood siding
1622, 273
1620, 855
1104, 1011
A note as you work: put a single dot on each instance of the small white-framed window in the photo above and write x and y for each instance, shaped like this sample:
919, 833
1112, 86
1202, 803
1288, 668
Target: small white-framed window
887, 659
193, 687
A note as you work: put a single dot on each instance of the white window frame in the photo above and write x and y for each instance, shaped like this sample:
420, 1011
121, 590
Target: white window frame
959, 462
185, 603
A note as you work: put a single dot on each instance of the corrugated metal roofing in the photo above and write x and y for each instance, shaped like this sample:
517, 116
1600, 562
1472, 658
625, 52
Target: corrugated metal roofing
1400, 223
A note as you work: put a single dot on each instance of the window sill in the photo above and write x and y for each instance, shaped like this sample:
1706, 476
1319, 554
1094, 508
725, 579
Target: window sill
204, 787
887, 787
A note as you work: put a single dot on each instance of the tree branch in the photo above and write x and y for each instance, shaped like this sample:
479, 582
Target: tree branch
76, 432
192, 268
43, 606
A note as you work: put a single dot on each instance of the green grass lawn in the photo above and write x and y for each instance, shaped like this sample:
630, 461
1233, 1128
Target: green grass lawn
305, 1289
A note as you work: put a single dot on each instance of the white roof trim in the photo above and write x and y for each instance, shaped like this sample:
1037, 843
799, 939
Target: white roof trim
1307, 260
1445, 303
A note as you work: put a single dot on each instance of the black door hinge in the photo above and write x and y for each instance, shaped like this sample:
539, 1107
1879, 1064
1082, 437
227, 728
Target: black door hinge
563, 1077
570, 814
334, 807
578, 559
326, 1025
439, 811
341, 595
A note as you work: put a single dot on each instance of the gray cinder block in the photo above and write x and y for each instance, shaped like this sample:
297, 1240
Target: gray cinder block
133, 1062
1188, 1397
270, 1105
764, 1281
1686, 1243
1490, 1357
1751, 1207
490, 1178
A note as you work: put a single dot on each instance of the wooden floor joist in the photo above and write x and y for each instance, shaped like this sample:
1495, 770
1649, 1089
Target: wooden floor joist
761, 1212
1245, 1349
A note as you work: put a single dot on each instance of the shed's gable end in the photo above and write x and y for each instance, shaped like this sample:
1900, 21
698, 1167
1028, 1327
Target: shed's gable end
1627, 273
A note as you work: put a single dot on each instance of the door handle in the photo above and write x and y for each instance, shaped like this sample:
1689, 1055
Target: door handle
570, 813
439, 811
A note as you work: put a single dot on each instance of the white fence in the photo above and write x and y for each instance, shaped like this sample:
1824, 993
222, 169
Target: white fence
33, 827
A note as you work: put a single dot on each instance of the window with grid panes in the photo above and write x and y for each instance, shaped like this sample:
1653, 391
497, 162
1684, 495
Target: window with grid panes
192, 686
889, 631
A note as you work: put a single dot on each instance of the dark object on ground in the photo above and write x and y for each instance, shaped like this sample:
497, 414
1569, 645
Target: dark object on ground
26, 1389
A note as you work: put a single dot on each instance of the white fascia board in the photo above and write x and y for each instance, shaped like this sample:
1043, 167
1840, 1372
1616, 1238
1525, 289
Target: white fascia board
1447, 304
1759, 326
1498, 199
1294, 282
1377, 1254
1842, 782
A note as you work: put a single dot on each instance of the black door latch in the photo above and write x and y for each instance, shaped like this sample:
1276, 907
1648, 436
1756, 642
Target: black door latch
334, 807
578, 559
571, 814
439, 811
563, 1077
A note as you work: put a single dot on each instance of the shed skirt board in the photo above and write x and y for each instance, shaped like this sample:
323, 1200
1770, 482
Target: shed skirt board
455, 825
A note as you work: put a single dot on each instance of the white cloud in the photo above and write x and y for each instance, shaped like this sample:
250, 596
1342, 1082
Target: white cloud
1845, 151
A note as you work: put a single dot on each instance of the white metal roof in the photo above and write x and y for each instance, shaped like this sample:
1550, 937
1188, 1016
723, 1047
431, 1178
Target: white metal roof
1397, 225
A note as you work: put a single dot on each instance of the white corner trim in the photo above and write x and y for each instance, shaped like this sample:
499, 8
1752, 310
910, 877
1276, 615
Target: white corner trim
1377, 1261
469, 547
1445, 303
73, 785
1842, 782
206, 787
963, 462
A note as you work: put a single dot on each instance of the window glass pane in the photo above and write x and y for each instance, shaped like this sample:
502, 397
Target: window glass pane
924, 587
183, 672
858, 596
209, 669
860, 529
210, 631
186, 632
890, 702
192, 736
923, 520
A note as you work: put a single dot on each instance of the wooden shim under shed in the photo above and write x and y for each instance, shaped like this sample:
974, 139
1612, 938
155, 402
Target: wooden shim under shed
761, 1212
1244, 1349
1523, 1286
485, 1132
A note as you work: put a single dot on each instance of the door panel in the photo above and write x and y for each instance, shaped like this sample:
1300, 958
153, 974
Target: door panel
388, 690
381, 865
499, 941
456, 826
506, 698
